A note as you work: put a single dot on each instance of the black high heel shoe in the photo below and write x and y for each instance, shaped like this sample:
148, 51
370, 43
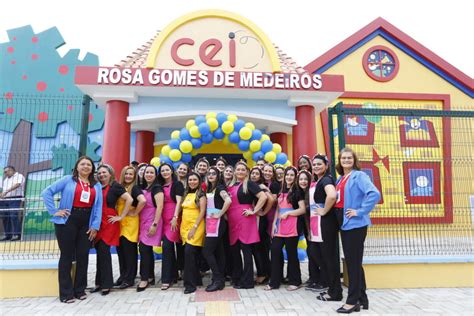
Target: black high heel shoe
96, 289
105, 292
141, 289
342, 310
151, 281
364, 304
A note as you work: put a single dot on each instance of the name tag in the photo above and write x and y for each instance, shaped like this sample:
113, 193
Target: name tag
338, 196
85, 196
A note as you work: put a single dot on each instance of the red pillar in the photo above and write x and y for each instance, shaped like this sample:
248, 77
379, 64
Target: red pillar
116, 150
280, 138
144, 150
304, 132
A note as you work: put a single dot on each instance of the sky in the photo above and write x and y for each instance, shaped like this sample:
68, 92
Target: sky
304, 30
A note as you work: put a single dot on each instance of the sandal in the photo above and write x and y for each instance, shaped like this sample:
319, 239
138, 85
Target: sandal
165, 286
81, 297
326, 298
68, 300
292, 288
262, 281
269, 288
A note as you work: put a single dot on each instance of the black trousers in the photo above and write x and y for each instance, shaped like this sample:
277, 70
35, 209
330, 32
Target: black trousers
147, 262
192, 276
262, 249
326, 255
169, 263
11, 219
127, 255
213, 252
242, 276
103, 275
73, 243
228, 254
353, 246
314, 264
179, 255
294, 272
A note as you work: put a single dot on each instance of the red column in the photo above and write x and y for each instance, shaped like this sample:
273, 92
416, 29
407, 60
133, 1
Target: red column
116, 150
280, 138
144, 150
304, 132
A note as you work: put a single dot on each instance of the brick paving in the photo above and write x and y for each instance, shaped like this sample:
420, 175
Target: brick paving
154, 301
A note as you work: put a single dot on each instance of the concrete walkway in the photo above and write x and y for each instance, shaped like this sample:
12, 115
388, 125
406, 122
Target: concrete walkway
154, 301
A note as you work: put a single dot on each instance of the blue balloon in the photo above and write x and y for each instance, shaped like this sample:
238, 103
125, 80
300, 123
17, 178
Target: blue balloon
221, 118
176, 164
197, 143
174, 143
200, 119
285, 256
218, 133
184, 134
256, 135
234, 137
204, 128
238, 125
302, 255
267, 146
257, 155
166, 159
186, 158
207, 139
244, 145
281, 159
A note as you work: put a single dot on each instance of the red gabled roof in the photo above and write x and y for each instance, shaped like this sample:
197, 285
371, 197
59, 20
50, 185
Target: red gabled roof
393, 31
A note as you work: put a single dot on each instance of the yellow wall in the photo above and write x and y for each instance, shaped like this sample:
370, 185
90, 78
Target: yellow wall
29, 283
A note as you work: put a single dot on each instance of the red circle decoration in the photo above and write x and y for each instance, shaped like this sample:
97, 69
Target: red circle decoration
10, 110
42, 116
91, 117
13, 61
61, 89
34, 39
34, 56
10, 49
24, 77
8, 95
63, 69
380, 63
41, 86
70, 107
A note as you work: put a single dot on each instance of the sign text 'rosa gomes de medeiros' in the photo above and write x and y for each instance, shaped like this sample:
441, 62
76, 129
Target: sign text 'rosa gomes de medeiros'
207, 78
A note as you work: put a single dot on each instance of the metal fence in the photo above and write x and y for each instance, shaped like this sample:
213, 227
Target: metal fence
40, 137
422, 161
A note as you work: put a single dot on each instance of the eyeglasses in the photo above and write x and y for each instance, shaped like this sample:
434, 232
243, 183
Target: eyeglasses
212, 174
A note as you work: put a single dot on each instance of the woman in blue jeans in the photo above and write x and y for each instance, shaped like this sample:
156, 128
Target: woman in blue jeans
356, 197
76, 222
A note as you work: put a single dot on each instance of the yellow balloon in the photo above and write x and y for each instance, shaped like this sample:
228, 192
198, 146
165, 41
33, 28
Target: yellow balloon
213, 123
166, 150
302, 244
264, 137
227, 127
276, 148
211, 115
287, 163
155, 161
245, 133
194, 152
157, 250
175, 134
232, 117
194, 131
247, 155
186, 146
175, 155
250, 125
255, 145
225, 140
189, 124
270, 156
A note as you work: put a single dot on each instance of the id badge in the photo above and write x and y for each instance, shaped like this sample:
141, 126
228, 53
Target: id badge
338, 196
85, 196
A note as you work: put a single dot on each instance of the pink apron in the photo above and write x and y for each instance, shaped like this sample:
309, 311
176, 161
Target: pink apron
212, 224
147, 215
241, 227
168, 212
314, 217
285, 227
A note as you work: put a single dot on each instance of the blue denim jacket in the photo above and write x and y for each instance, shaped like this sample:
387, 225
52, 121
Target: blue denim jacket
360, 194
67, 187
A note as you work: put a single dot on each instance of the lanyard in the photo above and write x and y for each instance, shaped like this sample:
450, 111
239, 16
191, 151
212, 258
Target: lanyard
82, 186
343, 181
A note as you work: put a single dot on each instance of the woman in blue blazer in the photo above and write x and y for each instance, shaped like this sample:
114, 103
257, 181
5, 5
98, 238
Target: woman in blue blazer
76, 222
356, 198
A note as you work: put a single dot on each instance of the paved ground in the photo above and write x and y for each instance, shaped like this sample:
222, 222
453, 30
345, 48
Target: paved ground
256, 301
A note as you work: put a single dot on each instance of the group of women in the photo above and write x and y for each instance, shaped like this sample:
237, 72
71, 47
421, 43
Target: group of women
211, 217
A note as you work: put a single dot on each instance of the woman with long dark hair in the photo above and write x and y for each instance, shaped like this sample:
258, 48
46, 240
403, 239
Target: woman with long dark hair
173, 193
109, 233
218, 202
192, 230
356, 198
151, 226
128, 243
247, 200
76, 222
287, 227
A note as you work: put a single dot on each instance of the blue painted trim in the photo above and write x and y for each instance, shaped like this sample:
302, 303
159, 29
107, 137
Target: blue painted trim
417, 259
45, 264
406, 50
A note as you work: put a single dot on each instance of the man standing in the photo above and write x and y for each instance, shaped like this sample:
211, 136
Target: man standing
10, 202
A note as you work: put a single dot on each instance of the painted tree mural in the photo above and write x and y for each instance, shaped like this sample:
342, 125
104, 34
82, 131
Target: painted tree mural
38, 94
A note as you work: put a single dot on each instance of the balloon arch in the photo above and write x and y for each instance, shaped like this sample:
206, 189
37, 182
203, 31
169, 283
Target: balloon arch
228, 129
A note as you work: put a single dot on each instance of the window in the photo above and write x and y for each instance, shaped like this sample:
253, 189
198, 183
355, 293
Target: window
380, 63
